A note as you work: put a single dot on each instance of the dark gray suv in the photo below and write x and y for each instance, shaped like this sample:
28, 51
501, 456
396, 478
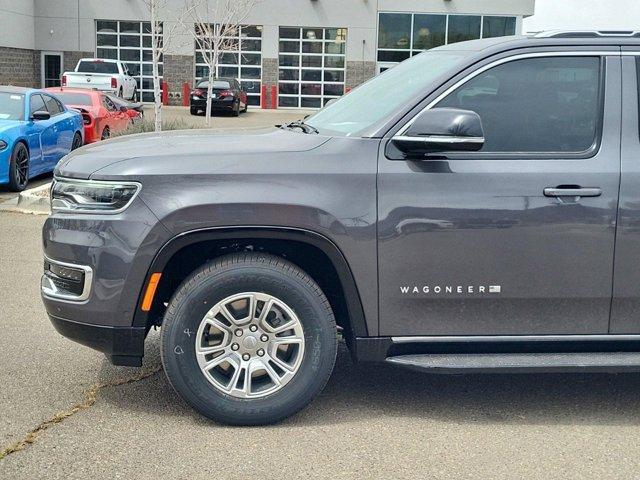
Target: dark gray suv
475, 208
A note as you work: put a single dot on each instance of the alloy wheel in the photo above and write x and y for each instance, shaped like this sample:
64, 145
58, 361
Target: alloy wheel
250, 345
22, 166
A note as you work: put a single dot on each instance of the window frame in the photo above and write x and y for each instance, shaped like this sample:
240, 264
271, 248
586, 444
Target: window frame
410, 51
45, 99
116, 51
31, 97
533, 155
244, 34
300, 82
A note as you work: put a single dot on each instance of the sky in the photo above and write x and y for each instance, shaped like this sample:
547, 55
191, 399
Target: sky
584, 14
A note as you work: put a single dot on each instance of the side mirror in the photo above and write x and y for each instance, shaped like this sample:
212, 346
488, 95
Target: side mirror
441, 130
41, 115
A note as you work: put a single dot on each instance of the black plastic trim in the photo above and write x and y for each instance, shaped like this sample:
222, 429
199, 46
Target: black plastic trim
353, 302
121, 345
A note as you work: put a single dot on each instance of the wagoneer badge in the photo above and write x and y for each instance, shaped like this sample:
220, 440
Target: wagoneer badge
449, 289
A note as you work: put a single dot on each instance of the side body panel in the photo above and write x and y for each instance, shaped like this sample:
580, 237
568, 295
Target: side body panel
625, 306
484, 252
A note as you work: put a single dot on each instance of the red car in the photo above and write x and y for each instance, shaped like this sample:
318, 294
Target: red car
100, 115
135, 110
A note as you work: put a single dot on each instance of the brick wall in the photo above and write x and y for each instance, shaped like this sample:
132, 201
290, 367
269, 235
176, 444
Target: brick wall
19, 67
269, 76
177, 70
359, 72
71, 59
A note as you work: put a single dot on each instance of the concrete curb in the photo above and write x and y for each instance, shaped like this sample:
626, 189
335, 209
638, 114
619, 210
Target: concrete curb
30, 201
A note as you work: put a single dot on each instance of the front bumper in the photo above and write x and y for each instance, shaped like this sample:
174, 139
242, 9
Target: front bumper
122, 345
118, 250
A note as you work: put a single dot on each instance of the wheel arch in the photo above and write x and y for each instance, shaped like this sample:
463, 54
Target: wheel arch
307, 249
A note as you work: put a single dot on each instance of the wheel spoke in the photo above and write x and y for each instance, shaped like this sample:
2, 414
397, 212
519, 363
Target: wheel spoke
210, 350
275, 378
218, 324
214, 362
281, 363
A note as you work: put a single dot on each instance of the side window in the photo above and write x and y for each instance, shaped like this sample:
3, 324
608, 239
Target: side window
36, 104
61, 107
52, 105
533, 105
108, 104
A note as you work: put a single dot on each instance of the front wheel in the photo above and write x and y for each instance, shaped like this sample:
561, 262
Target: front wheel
106, 133
248, 339
19, 168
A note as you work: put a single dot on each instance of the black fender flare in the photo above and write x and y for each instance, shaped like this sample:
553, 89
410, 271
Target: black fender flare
328, 247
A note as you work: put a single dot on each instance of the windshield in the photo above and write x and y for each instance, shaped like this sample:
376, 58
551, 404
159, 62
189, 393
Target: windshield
11, 106
97, 67
377, 98
74, 98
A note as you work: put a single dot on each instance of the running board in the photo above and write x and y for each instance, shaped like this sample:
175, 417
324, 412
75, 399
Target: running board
521, 362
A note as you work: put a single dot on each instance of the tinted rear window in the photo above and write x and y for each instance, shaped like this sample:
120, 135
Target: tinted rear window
97, 67
11, 106
69, 98
217, 84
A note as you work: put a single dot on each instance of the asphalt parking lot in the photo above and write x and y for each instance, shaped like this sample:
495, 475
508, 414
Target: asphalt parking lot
372, 421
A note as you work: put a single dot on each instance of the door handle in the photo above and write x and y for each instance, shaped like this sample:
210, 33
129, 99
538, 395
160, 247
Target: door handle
572, 191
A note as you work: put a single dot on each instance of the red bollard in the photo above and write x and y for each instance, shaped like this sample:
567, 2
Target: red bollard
263, 96
186, 91
165, 93
274, 96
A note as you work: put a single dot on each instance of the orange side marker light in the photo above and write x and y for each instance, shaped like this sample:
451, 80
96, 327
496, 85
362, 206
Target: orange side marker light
151, 291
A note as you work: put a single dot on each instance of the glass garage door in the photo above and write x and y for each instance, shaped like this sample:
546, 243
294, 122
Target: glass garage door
129, 42
242, 59
311, 66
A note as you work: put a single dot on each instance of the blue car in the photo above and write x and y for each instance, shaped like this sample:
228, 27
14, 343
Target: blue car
36, 131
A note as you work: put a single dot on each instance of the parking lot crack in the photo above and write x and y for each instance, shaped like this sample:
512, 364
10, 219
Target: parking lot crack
90, 397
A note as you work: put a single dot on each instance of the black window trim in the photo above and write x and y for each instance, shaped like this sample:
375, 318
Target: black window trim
563, 155
38, 94
45, 96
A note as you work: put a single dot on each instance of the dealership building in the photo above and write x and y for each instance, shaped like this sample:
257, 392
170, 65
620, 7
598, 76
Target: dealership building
305, 52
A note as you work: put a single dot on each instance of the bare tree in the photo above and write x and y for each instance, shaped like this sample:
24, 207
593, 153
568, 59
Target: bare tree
160, 40
216, 27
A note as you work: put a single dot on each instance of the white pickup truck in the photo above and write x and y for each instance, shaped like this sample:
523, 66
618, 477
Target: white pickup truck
102, 74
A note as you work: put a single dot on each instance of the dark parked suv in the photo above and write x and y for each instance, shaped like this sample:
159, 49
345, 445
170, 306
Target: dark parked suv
483, 217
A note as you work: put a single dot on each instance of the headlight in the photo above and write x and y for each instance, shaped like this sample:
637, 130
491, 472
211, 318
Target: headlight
3, 145
91, 196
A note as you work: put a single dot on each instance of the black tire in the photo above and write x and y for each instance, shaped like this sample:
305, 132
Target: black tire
19, 168
134, 95
77, 141
230, 275
246, 106
120, 93
106, 133
193, 110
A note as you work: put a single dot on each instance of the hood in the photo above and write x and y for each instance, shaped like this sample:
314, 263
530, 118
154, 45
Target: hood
150, 153
9, 124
